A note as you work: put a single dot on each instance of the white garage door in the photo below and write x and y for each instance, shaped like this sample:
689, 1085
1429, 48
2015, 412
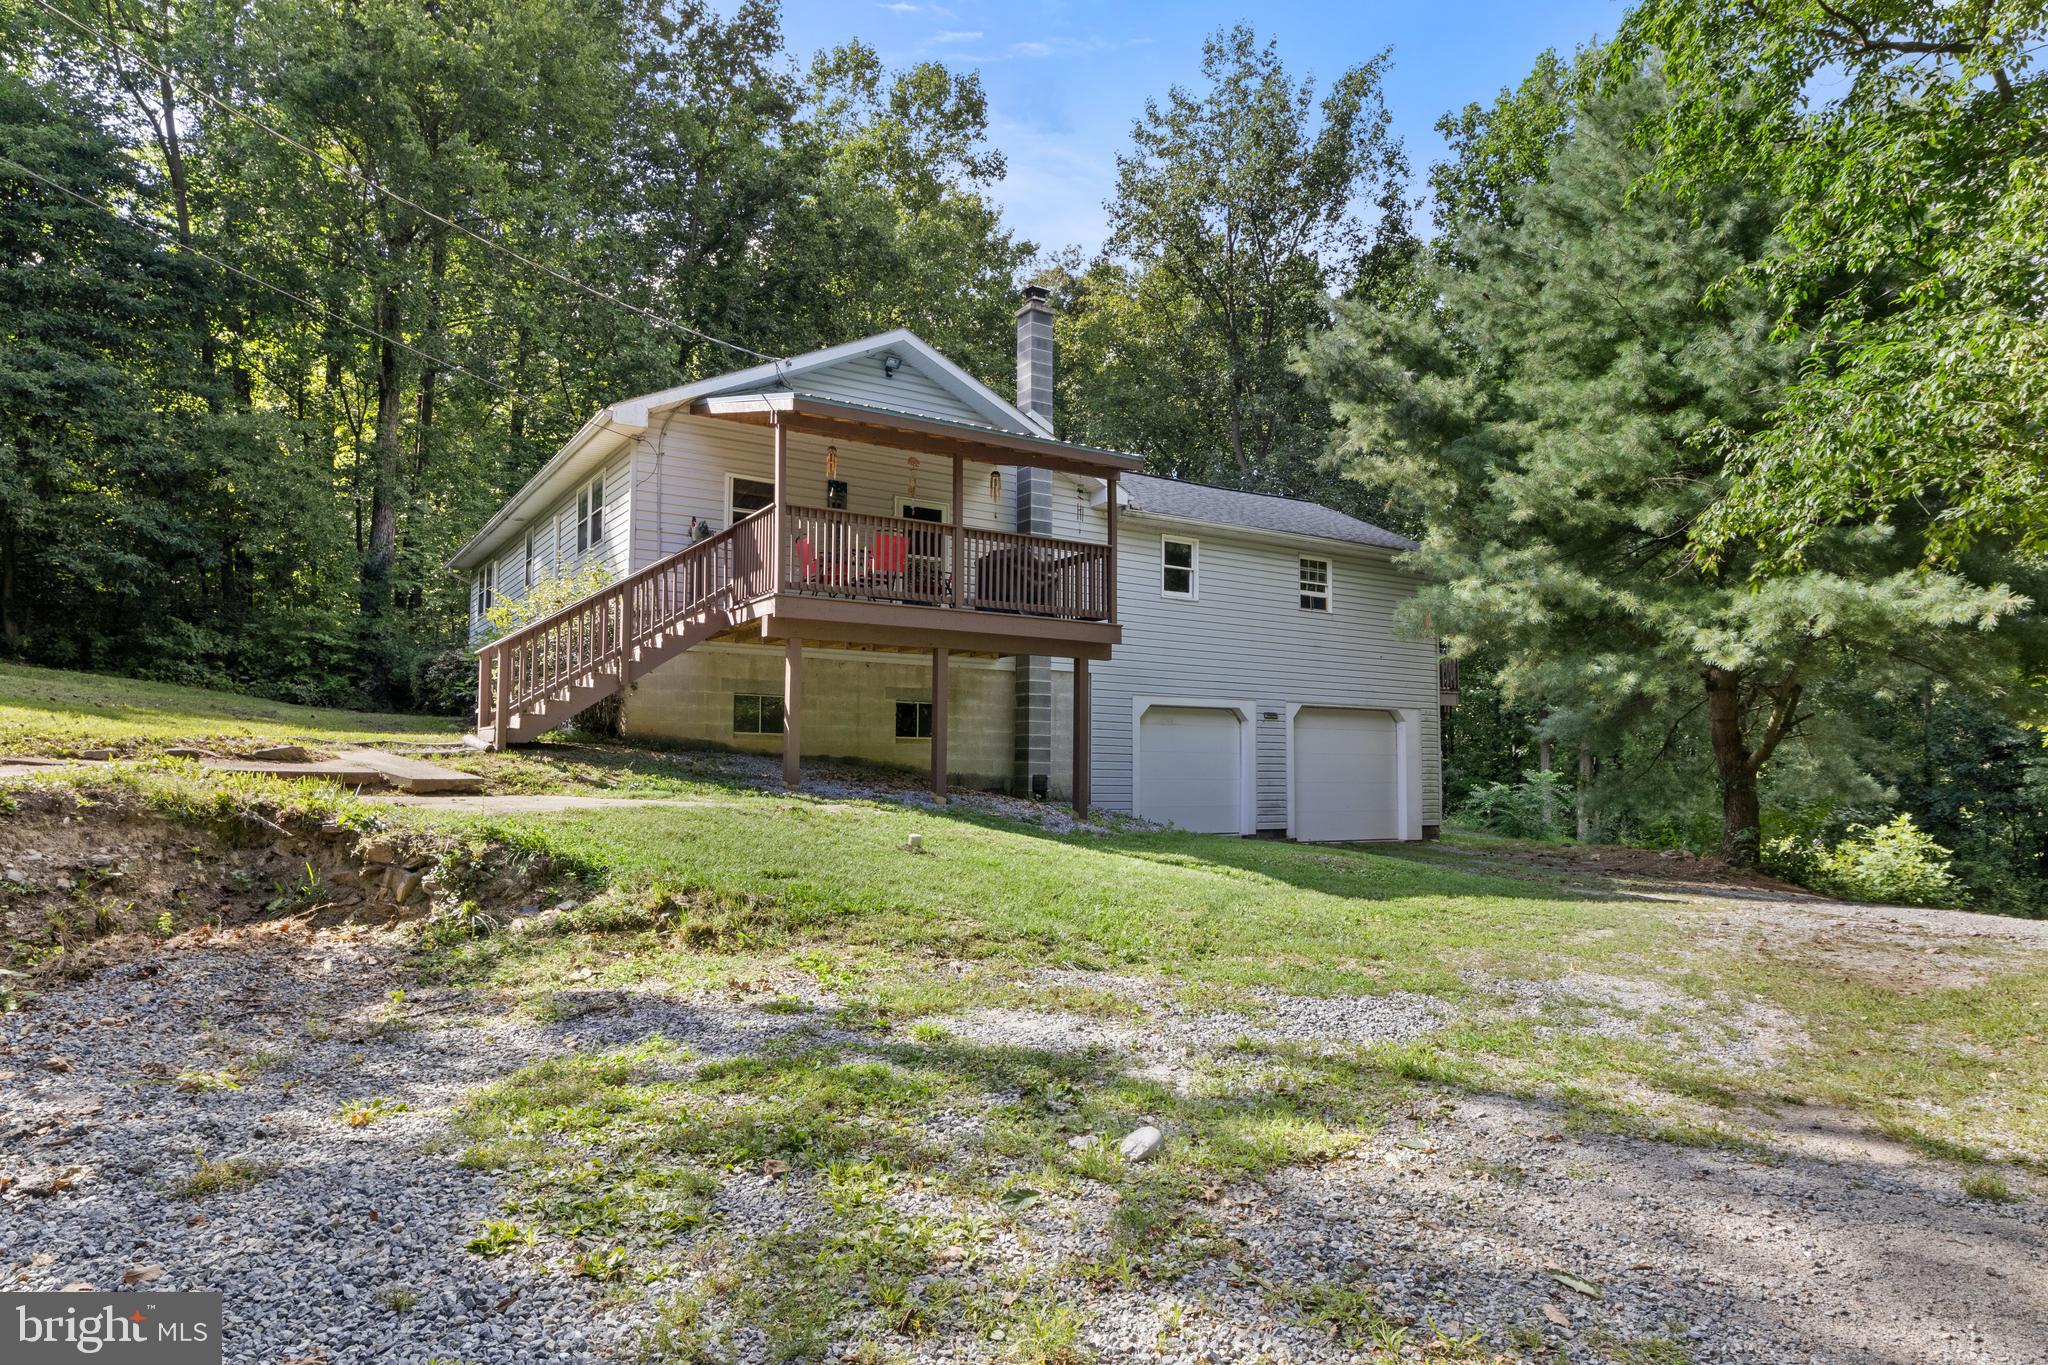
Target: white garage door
1190, 768
1346, 771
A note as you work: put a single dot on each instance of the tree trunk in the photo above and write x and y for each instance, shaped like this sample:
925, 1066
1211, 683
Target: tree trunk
1734, 769
1543, 752
1585, 793
382, 545
10, 616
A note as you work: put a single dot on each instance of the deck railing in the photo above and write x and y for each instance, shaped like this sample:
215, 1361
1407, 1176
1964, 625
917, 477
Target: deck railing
825, 552
593, 635
1446, 674
834, 553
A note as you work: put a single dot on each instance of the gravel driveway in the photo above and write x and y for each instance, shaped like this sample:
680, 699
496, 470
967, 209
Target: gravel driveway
1477, 1214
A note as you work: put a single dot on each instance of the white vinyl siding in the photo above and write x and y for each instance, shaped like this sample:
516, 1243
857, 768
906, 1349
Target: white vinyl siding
1246, 642
861, 380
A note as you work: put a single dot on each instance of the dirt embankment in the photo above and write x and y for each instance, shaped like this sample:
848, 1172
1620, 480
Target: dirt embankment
86, 881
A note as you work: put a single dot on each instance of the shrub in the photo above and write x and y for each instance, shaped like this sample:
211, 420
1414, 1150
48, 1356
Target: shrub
1896, 862
1517, 808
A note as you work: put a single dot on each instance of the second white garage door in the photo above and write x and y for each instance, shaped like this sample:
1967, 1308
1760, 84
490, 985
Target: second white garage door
1346, 775
1191, 768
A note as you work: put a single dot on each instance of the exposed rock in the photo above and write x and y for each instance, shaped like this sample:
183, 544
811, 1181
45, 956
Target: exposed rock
1141, 1144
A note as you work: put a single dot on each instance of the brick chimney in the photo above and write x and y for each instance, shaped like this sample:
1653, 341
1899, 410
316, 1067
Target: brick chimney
1032, 772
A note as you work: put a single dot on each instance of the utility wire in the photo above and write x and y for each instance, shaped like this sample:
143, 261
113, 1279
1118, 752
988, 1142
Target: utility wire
169, 236
367, 182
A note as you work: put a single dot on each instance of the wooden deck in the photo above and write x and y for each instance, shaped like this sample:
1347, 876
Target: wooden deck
827, 576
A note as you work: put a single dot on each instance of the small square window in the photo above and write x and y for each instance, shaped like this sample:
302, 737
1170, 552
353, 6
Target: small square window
913, 720
1177, 567
756, 715
1315, 585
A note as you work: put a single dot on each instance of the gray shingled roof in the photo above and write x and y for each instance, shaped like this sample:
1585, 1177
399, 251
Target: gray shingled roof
1259, 511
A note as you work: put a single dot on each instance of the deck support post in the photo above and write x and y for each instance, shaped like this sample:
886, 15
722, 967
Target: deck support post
483, 690
625, 636
1082, 712
501, 703
776, 551
792, 711
959, 532
942, 686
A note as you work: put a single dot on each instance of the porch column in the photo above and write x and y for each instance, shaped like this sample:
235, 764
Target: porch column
959, 535
1082, 712
1111, 589
792, 708
501, 702
775, 579
942, 686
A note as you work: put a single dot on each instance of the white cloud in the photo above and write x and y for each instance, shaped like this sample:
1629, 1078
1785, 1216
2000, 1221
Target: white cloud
899, 8
1031, 49
954, 35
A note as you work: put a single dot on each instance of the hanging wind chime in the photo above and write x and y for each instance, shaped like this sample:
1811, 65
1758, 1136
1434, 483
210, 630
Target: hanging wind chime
913, 476
995, 485
831, 462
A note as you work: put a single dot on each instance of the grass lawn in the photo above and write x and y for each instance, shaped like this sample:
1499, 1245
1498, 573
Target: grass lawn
48, 712
917, 1132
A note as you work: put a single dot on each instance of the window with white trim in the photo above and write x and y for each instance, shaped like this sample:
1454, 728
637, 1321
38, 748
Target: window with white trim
532, 561
748, 496
1177, 566
590, 516
1315, 585
484, 594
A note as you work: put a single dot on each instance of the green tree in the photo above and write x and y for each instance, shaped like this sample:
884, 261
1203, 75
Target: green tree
1909, 144
1235, 217
1542, 421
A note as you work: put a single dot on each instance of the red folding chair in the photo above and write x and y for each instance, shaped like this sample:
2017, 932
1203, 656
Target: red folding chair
807, 562
891, 553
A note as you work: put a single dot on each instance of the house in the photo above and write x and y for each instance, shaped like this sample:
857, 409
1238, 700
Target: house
865, 553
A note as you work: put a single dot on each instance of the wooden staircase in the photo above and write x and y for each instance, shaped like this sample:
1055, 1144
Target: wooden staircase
541, 675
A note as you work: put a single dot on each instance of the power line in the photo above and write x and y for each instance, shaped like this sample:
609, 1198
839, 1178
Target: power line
367, 182
168, 235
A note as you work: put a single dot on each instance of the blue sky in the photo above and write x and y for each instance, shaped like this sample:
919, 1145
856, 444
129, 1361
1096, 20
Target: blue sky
1066, 80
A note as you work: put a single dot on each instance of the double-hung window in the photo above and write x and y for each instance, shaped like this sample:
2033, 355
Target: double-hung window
486, 588
590, 516
532, 562
1315, 585
1177, 567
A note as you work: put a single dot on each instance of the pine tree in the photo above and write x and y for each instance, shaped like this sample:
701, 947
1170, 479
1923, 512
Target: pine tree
1542, 418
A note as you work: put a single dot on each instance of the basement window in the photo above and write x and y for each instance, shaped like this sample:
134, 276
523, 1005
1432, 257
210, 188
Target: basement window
913, 720
756, 715
1315, 585
1177, 567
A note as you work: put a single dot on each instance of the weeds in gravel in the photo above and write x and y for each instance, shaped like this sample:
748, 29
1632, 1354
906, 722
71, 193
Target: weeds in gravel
397, 1298
363, 1113
1990, 1186
219, 1177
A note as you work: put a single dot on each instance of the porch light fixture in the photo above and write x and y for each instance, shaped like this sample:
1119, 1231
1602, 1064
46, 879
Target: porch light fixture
995, 485
891, 362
